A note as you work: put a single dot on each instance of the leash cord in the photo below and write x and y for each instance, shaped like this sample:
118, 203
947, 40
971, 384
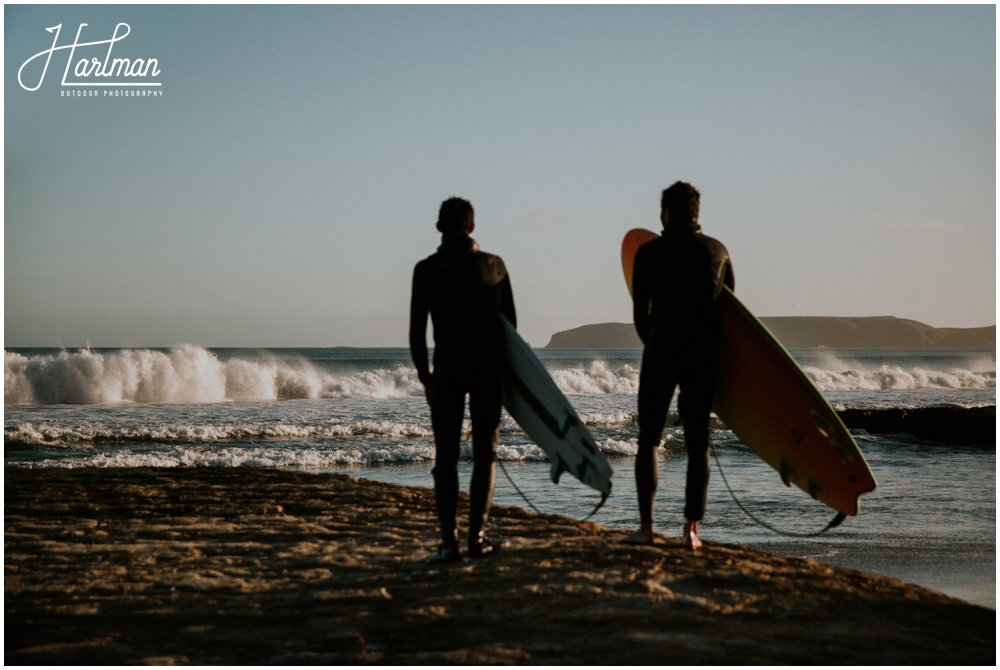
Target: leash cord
532, 506
836, 521
833, 524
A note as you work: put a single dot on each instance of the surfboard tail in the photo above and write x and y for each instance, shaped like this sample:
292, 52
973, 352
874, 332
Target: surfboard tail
535, 402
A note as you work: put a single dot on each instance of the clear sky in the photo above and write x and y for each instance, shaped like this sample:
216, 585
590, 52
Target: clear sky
283, 186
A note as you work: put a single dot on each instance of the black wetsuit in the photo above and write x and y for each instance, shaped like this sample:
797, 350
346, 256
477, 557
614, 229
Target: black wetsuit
675, 282
465, 291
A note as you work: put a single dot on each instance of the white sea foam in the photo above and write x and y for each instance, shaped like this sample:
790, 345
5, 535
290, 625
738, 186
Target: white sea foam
187, 374
828, 373
271, 456
257, 457
894, 377
192, 374
597, 379
195, 433
607, 419
628, 447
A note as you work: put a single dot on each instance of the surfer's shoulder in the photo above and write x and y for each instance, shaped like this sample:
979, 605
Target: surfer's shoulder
424, 265
491, 266
486, 257
713, 243
652, 248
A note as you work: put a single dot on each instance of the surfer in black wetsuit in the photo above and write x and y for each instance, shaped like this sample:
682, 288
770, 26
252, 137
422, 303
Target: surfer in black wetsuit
465, 291
675, 281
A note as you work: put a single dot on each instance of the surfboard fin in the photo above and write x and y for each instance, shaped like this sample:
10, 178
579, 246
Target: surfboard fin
566, 422
786, 471
814, 488
558, 467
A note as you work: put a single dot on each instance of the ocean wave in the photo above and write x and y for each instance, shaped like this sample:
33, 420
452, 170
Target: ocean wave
951, 425
193, 374
233, 457
608, 419
829, 372
598, 378
40, 433
187, 374
896, 378
370, 442
135, 430
264, 456
947, 423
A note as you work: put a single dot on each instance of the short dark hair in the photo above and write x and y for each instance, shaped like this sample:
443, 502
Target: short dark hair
682, 200
456, 216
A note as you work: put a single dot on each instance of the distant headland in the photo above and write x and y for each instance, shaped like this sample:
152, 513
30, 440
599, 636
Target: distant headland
807, 332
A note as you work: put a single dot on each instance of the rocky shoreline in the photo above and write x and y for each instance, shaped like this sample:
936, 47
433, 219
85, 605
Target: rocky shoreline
235, 566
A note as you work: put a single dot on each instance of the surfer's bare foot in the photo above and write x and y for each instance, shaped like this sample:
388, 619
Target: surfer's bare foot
691, 541
642, 536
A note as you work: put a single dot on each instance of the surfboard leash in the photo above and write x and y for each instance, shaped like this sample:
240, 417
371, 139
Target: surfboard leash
532, 505
833, 524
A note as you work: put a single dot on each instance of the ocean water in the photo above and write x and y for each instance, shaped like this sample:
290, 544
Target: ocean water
932, 521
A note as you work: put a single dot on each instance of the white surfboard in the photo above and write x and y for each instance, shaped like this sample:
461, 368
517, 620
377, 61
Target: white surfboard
540, 408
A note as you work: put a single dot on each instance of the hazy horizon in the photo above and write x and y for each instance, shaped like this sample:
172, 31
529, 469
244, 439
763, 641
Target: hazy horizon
282, 183
194, 324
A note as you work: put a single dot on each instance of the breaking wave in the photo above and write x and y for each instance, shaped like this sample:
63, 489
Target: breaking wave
186, 374
281, 456
898, 378
193, 374
42, 433
598, 378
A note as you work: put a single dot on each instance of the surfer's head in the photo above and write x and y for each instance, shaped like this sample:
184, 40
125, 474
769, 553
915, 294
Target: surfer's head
679, 205
456, 216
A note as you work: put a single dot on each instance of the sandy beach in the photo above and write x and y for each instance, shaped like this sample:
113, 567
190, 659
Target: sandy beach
239, 566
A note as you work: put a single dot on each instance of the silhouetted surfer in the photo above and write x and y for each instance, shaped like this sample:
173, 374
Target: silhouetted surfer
465, 291
675, 282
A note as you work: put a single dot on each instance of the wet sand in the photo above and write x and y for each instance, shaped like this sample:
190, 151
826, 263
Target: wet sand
233, 566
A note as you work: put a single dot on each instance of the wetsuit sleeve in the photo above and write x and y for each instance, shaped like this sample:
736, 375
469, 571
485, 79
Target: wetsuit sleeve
641, 295
723, 265
419, 309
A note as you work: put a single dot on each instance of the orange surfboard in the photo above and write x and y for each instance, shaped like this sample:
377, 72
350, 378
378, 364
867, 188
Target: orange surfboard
766, 399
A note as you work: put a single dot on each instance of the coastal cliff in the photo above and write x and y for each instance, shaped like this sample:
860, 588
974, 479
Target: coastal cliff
807, 332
